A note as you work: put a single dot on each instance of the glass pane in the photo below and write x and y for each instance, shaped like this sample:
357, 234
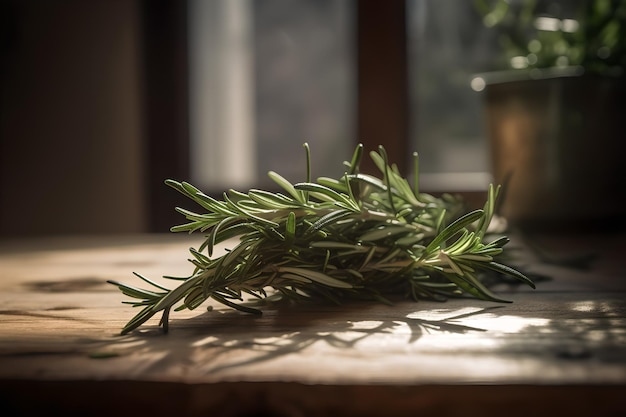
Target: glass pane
267, 76
448, 45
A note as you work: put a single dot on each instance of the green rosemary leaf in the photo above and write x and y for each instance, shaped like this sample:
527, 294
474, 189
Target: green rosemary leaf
474, 257
328, 192
190, 189
329, 244
194, 298
416, 174
460, 243
489, 210
441, 217
335, 184
316, 276
202, 199
290, 227
212, 238
305, 195
369, 180
382, 163
188, 227
328, 219
190, 215
356, 160
507, 270
176, 294
144, 315
154, 284
413, 240
467, 243
390, 255
273, 201
385, 231
351, 187
218, 207
286, 185
231, 231
248, 213
234, 254
239, 307
498, 243
177, 186
164, 322
379, 160
293, 277
135, 292
453, 229
237, 196
474, 287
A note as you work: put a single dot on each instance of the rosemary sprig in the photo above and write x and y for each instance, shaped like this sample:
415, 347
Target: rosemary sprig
358, 236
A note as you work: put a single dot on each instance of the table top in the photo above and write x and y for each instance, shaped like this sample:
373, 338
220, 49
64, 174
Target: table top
60, 324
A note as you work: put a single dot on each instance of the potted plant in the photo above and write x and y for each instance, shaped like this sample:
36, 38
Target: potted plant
555, 109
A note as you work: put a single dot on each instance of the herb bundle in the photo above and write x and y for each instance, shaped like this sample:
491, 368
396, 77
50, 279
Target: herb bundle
355, 237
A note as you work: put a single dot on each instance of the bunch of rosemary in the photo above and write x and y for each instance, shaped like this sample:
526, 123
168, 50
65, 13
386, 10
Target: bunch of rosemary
358, 236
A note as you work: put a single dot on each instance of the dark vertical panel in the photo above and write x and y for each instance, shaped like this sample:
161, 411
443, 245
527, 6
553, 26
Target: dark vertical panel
70, 118
382, 79
8, 41
166, 107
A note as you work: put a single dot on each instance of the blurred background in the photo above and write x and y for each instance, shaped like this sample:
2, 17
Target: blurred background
102, 100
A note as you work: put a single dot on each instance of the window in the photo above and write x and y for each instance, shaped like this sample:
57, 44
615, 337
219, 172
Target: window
448, 45
265, 77
268, 75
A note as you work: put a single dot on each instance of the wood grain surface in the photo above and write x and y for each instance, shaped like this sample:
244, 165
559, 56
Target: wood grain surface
564, 342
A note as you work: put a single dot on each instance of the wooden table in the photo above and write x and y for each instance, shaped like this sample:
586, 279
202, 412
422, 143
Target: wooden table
558, 349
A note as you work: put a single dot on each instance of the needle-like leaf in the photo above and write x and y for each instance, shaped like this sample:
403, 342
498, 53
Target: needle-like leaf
357, 236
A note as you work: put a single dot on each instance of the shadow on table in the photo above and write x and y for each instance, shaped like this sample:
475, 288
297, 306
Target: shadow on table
222, 340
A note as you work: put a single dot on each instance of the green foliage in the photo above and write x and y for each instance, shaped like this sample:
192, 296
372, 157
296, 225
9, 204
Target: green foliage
358, 236
586, 33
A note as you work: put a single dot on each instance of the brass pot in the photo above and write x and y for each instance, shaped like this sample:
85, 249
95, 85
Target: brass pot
557, 146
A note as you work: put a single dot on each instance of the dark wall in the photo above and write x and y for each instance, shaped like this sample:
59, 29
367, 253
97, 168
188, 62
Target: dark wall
93, 115
71, 119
